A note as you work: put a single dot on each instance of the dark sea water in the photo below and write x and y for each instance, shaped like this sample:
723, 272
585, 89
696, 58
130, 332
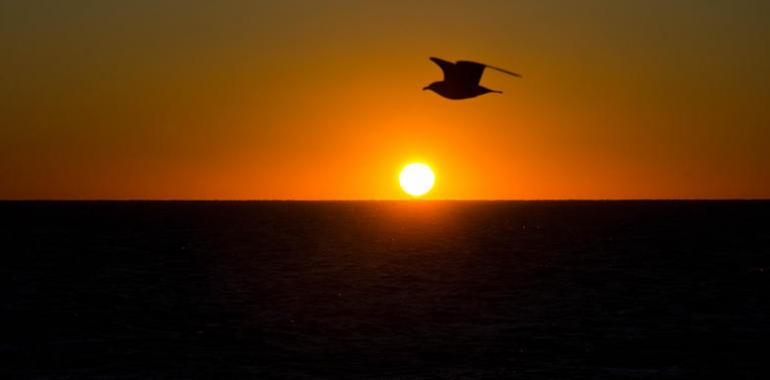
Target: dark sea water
528, 290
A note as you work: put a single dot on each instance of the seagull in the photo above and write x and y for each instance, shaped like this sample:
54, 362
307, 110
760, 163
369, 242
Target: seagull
461, 79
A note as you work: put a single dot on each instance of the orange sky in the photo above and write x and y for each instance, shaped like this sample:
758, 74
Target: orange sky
323, 100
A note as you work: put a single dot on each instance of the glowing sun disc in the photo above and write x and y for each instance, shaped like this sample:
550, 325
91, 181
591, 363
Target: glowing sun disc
416, 179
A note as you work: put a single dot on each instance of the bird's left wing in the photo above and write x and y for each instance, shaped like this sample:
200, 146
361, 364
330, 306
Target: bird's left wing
447, 67
470, 72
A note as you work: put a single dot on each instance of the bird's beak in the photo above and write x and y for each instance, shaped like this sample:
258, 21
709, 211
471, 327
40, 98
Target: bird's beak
425, 88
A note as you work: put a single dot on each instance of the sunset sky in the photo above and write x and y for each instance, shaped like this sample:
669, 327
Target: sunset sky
322, 99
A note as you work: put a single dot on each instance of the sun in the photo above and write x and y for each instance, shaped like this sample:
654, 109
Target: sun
416, 179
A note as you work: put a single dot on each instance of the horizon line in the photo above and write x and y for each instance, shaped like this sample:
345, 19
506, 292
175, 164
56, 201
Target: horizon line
381, 200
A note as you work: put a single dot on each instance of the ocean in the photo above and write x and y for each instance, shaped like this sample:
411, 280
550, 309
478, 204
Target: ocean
385, 290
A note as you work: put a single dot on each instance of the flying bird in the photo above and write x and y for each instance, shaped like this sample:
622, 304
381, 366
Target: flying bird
461, 79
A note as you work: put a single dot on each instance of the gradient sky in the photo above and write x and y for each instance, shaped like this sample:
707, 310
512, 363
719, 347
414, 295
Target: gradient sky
322, 99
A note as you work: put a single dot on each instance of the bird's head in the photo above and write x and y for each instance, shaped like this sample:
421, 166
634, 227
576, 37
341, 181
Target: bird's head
433, 86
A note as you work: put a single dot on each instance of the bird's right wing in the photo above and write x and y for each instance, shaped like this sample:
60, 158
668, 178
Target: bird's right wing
504, 71
476, 69
447, 67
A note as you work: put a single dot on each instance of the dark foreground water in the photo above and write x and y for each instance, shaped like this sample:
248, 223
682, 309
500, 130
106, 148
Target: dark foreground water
530, 290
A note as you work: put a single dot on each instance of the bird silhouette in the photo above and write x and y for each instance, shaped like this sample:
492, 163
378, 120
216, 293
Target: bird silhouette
461, 79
